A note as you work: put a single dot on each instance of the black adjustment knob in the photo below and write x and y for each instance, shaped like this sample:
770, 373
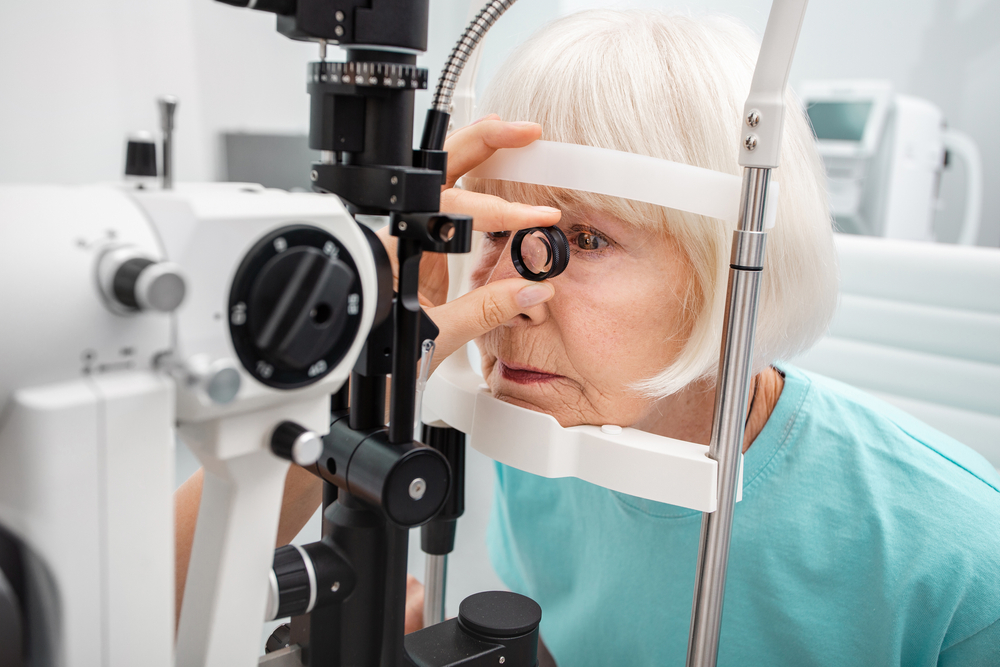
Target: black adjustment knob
499, 614
293, 583
298, 306
140, 155
296, 443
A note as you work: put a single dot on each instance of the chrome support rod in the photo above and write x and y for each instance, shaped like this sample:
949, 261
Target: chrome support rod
435, 576
729, 422
168, 107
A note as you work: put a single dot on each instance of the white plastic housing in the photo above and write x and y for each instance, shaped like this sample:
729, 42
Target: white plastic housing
207, 229
89, 399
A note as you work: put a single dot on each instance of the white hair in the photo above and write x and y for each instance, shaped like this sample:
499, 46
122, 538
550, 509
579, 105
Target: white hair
673, 87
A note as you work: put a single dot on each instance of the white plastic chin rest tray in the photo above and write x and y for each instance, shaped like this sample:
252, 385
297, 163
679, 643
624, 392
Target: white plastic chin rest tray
629, 461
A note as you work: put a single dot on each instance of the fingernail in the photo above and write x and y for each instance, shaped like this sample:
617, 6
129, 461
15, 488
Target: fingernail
546, 209
523, 123
532, 295
487, 117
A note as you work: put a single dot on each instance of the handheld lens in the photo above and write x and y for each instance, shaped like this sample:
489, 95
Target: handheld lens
540, 252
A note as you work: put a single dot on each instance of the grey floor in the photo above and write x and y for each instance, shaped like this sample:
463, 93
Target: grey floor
469, 569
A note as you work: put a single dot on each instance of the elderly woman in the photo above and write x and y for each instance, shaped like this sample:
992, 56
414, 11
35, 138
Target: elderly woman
863, 537
860, 537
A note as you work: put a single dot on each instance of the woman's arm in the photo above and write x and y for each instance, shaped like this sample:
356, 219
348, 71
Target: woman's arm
303, 494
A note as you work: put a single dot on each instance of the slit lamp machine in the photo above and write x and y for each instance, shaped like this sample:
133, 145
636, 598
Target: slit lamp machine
233, 316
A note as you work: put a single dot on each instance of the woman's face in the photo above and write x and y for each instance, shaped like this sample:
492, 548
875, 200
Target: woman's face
617, 317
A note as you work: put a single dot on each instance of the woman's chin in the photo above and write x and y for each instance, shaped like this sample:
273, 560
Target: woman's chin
538, 397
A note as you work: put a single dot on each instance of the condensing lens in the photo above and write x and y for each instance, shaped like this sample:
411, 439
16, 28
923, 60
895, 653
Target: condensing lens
540, 252
536, 252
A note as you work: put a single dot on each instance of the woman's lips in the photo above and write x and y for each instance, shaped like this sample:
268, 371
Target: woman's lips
524, 375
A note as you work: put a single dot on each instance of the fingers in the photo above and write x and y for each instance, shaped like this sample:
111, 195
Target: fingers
493, 214
484, 309
414, 605
474, 143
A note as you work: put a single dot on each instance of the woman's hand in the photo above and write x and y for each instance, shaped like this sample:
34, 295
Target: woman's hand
487, 307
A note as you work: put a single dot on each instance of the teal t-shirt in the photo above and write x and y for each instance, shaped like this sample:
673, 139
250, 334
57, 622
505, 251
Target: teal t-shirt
864, 537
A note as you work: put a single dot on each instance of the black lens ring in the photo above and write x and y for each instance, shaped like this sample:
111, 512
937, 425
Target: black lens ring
558, 246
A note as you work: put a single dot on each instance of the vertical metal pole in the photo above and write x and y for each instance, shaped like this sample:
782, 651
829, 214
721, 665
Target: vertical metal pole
168, 107
731, 395
435, 578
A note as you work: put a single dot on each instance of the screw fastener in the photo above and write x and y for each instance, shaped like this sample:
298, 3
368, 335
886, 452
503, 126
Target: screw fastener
313, 175
394, 180
753, 118
750, 142
339, 16
335, 587
418, 487
401, 226
502, 660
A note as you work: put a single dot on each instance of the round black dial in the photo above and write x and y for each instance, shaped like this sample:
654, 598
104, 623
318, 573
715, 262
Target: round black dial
295, 306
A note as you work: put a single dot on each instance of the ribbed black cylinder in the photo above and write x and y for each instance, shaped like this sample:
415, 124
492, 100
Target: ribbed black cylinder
294, 586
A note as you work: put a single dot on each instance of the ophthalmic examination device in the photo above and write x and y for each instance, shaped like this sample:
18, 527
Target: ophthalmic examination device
260, 327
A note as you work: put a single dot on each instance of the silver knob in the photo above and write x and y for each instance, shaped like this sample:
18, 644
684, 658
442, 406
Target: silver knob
133, 281
220, 379
296, 443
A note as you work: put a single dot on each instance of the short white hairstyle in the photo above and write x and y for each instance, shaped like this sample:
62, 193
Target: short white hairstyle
673, 87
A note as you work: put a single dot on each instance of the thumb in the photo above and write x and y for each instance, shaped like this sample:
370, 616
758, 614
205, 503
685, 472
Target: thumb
482, 310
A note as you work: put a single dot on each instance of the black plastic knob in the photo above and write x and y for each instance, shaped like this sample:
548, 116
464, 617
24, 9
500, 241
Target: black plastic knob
298, 307
499, 614
307, 577
295, 307
140, 156
142, 284
296, 443
295, 580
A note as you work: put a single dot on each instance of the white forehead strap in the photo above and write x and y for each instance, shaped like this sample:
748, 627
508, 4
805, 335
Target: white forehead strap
671, 184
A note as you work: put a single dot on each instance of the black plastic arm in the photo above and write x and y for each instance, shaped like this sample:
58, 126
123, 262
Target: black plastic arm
437, 537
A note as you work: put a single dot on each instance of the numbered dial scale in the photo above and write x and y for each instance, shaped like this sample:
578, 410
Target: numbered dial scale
295, 306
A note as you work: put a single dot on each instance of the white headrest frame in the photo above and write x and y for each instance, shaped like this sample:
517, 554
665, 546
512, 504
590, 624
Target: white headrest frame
618, 174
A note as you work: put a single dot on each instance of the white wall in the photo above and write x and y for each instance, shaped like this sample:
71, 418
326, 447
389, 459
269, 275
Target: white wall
76, 76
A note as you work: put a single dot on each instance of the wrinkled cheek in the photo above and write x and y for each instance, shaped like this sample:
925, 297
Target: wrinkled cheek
488, 345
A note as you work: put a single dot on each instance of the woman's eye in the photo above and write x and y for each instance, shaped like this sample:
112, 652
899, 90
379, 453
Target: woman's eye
588, 241
497, 236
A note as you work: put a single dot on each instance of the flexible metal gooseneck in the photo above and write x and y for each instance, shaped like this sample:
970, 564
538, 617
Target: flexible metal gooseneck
439, 115
463, 50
